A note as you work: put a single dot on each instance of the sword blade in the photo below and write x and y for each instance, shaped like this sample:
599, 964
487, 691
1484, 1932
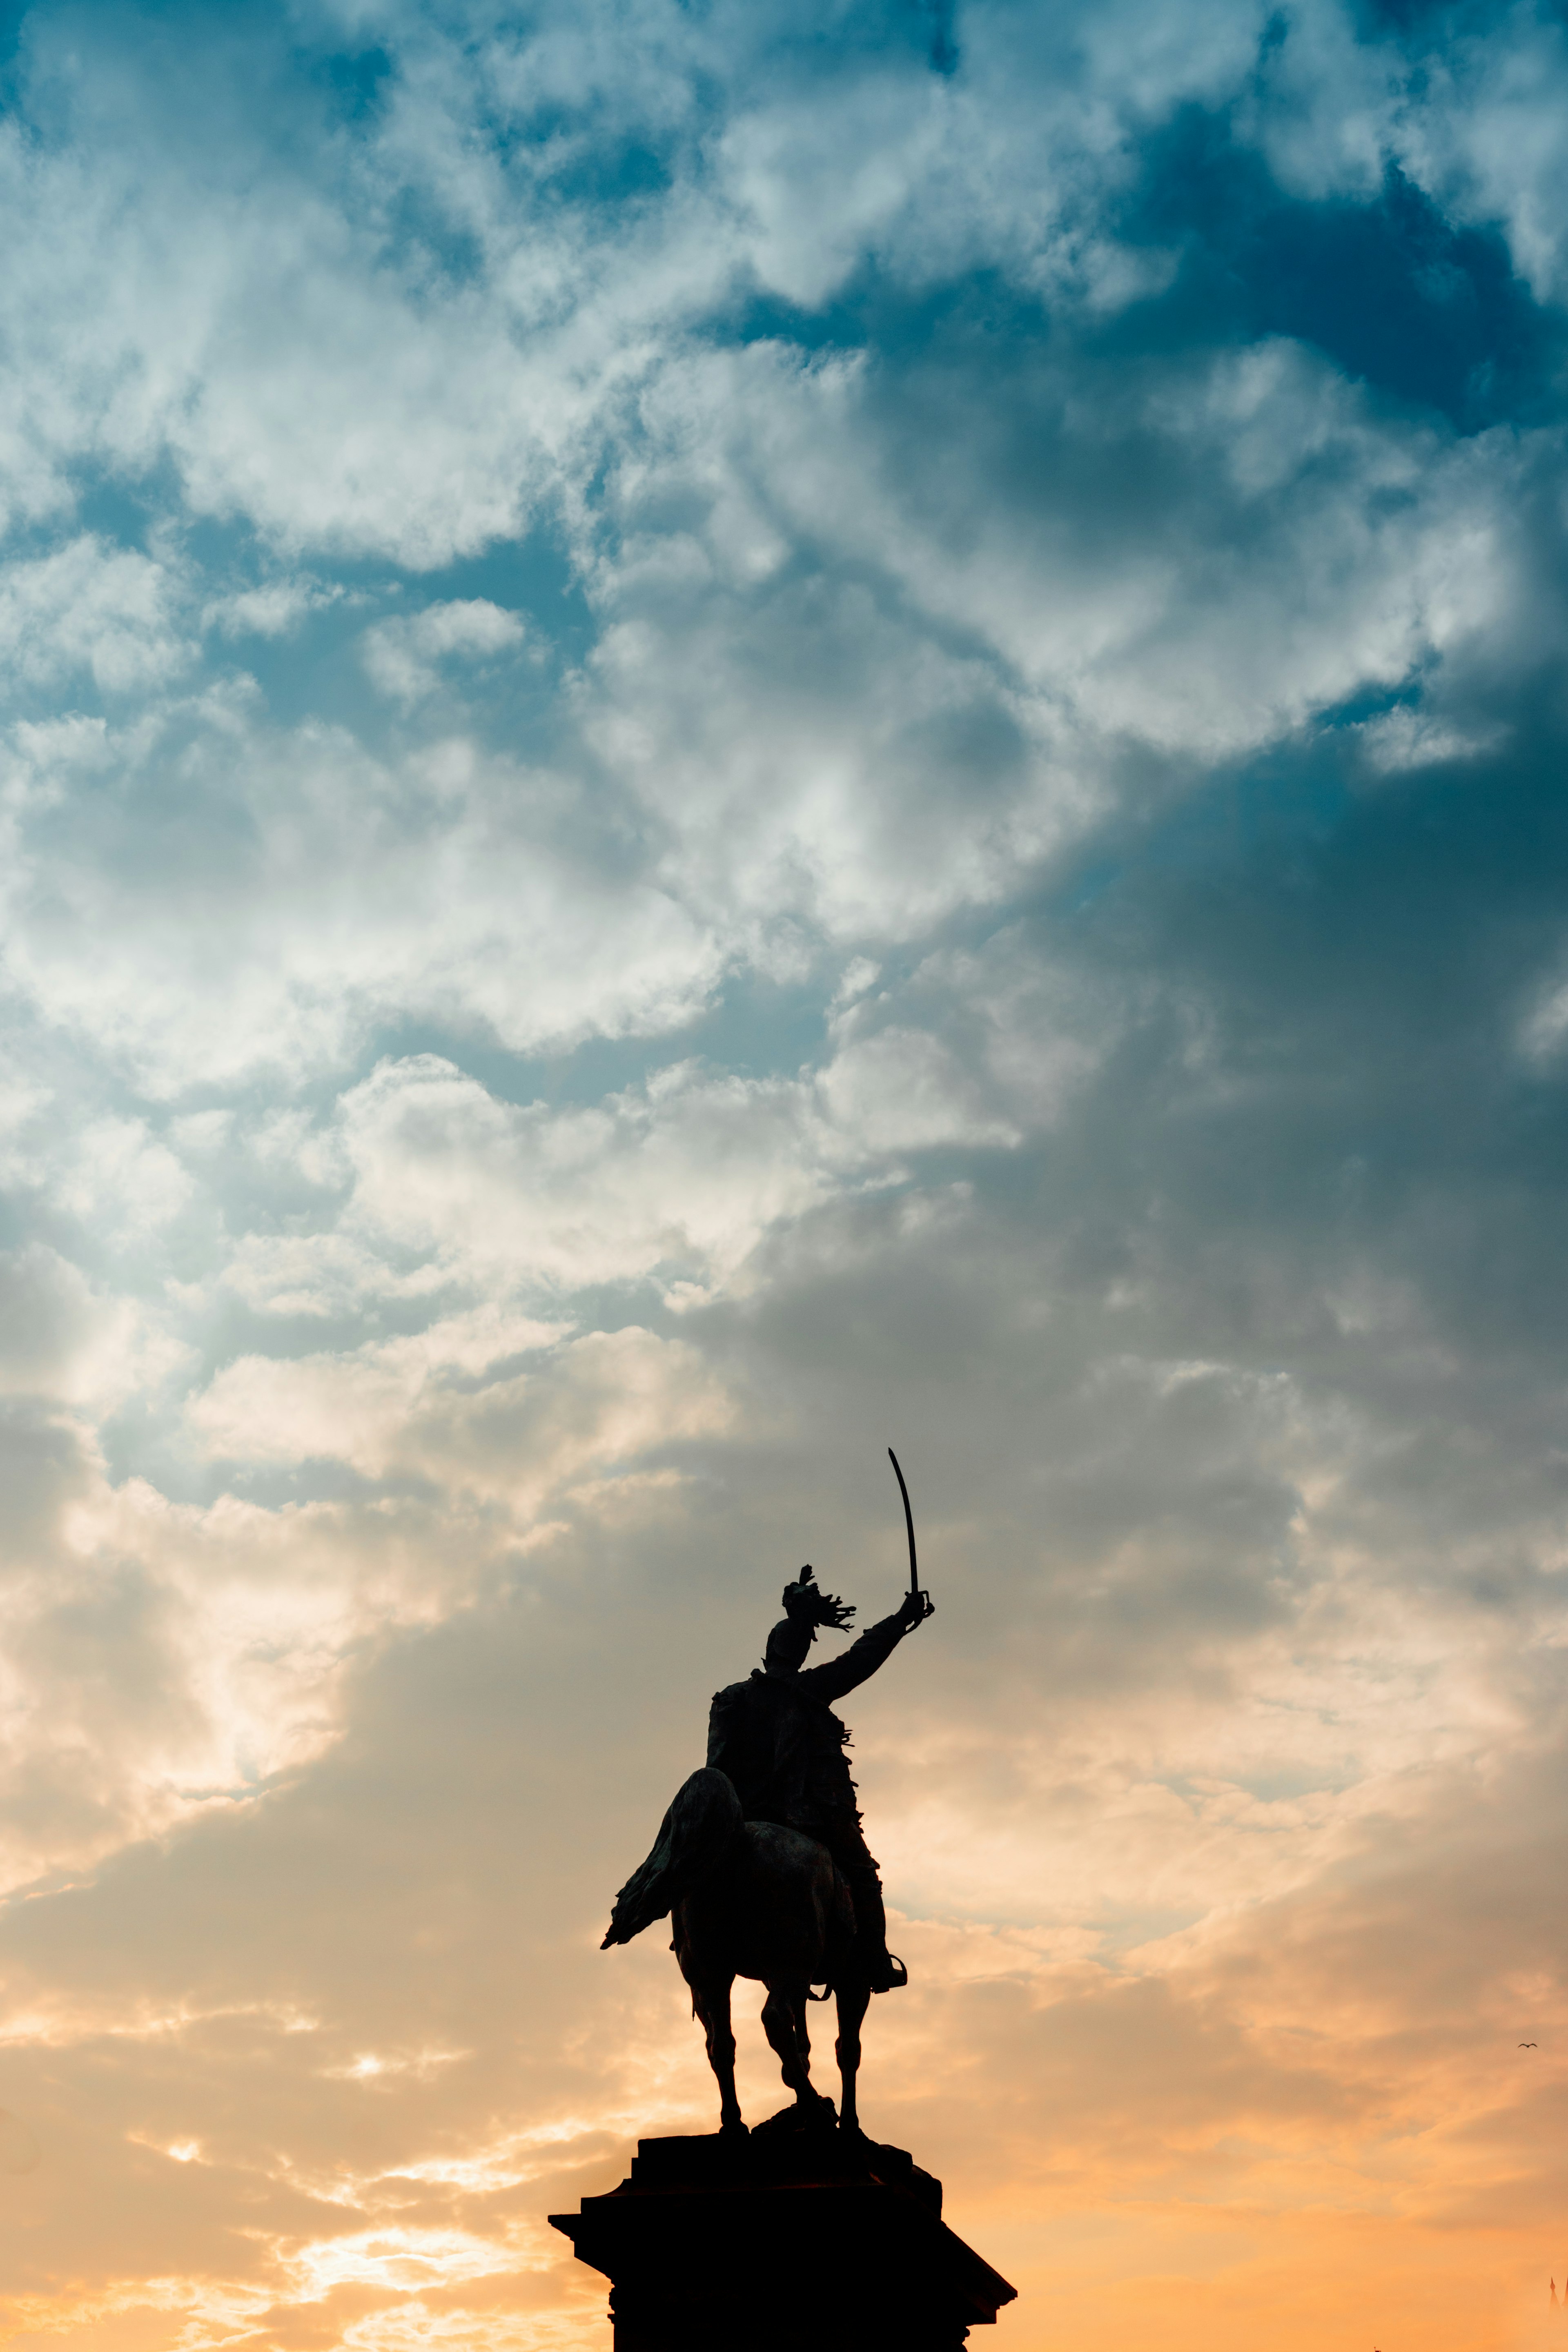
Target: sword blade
909, 1520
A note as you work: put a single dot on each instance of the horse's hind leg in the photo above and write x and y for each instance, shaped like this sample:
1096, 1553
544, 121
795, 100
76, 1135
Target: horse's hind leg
710, 1999
783, 2020
854, 2000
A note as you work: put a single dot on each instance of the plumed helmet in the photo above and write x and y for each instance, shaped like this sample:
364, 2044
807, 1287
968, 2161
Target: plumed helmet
806, 1607
805, 1602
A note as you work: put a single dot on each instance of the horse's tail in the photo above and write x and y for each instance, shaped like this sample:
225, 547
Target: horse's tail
694, 1838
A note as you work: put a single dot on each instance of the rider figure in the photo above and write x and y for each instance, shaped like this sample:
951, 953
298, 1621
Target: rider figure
777, 1738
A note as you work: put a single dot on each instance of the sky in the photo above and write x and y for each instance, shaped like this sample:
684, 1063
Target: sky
732, 733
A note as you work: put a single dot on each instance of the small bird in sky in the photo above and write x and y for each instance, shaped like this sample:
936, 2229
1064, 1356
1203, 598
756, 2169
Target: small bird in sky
1527, 2045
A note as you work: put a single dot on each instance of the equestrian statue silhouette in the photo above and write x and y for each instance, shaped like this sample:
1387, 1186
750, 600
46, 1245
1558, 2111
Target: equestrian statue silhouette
761, 1861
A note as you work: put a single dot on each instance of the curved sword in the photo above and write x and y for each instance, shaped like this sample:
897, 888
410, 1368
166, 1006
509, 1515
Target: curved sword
909, 1524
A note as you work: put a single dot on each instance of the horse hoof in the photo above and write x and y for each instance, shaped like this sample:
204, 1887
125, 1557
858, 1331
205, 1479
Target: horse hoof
734, 2129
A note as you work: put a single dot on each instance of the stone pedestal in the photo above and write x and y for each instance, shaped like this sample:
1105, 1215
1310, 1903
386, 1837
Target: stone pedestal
789, 2241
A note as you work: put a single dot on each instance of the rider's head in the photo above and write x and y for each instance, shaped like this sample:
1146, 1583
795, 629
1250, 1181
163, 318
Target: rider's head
788, 1642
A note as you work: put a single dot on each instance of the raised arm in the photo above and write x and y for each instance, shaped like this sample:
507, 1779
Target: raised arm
876, 1645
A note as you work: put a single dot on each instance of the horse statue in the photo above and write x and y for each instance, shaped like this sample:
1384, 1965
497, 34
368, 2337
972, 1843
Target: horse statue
761, 1861
753, 1899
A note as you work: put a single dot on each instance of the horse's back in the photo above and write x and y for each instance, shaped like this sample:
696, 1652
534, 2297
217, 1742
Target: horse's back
788, 1853
780, 1908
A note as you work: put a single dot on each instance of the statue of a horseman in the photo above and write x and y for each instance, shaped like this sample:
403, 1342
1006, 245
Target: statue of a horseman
761, 1861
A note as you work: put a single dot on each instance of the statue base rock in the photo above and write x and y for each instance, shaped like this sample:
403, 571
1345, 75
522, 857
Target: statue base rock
790, 2240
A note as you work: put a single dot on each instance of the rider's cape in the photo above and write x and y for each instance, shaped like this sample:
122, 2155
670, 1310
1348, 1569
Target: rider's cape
694, 1838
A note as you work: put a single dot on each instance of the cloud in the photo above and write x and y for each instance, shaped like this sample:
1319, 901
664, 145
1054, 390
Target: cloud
401, 656
241, 945
679, 1178
273, 610
94, 610
733, 736
1288, 551
443, 1405
61, 1340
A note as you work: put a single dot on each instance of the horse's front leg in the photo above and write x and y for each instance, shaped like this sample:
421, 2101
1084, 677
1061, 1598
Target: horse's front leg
710, 1999
854, 1998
